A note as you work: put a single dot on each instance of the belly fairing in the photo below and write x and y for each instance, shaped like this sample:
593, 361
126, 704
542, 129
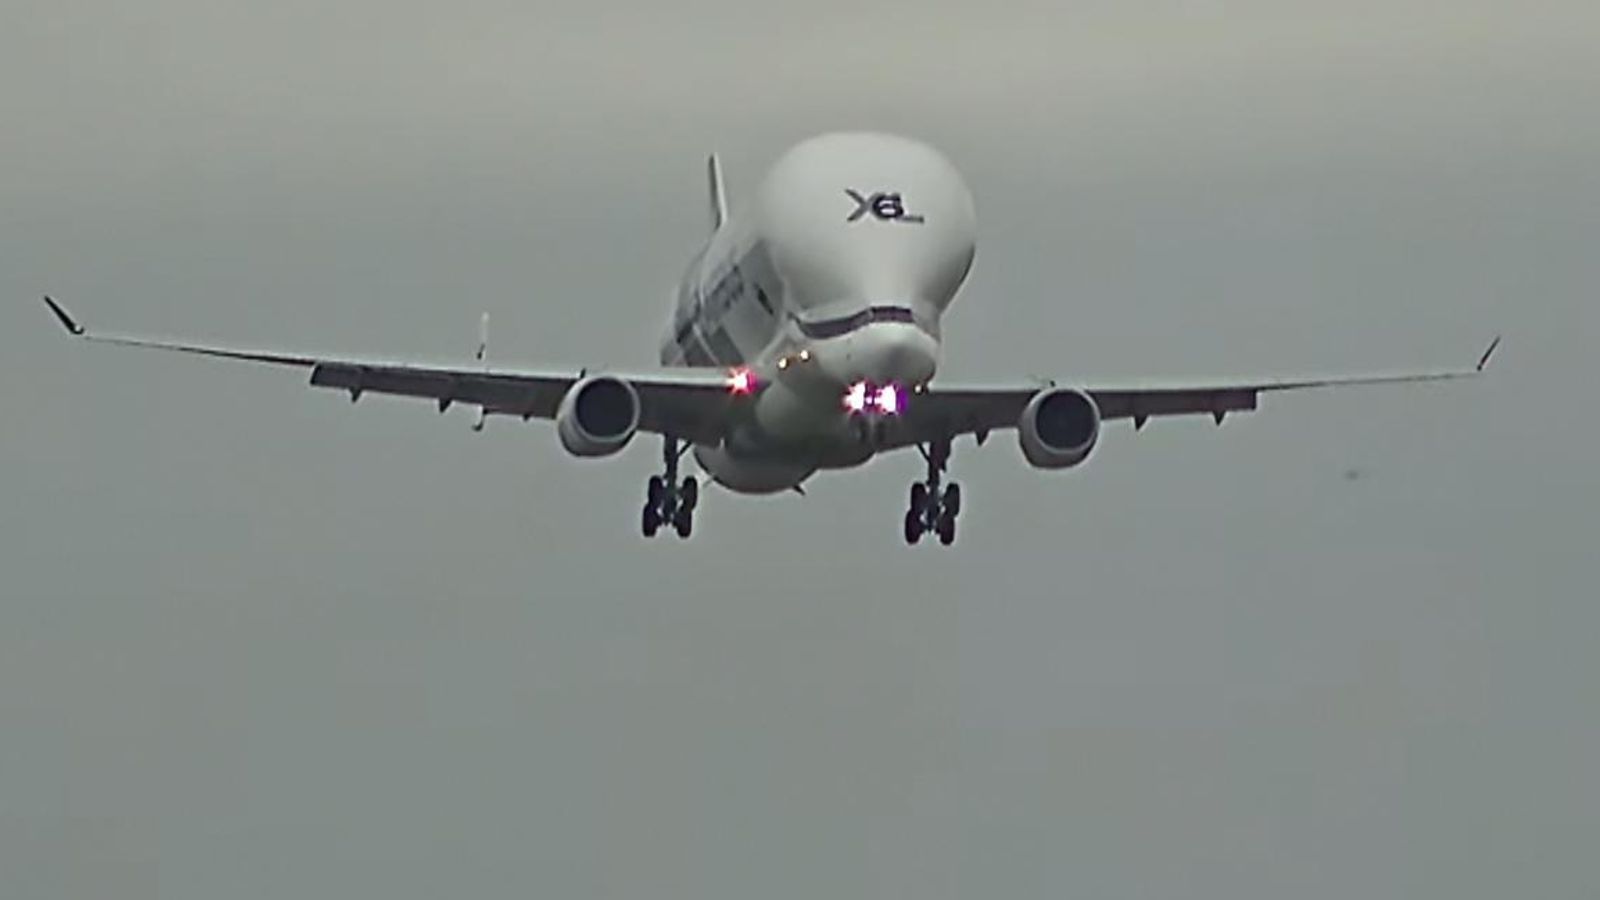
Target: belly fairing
751, 475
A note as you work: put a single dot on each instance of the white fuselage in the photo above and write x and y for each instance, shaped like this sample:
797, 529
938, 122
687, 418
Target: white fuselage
831, 279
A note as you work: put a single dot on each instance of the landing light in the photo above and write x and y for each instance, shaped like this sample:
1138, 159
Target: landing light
888, 400
855, 399
741, 381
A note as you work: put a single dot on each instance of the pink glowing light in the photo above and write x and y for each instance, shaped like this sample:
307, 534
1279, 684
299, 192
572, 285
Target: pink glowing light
741, 381
888, 400
855, 399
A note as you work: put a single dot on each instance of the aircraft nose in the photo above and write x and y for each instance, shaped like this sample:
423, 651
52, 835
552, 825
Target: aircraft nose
889, 353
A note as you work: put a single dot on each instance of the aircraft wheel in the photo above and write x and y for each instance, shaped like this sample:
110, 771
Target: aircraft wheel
651, 521
947, 530
919, 496
684, 522
952, 500
689, 495
913, 529
656, 490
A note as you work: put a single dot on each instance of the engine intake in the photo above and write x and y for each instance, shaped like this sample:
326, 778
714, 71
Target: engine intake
598, 416
1058, 428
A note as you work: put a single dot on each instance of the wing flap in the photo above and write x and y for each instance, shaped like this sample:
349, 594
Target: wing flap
1141, 405
695, 405
946, 412
692, 404
529, 396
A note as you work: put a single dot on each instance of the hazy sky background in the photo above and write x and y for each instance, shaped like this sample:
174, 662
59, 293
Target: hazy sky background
258, 643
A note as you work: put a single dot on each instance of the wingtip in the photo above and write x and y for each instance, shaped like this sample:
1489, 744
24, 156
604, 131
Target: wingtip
67, 322
1483, 361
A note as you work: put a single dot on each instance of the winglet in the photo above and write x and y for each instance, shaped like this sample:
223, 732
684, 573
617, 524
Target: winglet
1483, 361
67, 322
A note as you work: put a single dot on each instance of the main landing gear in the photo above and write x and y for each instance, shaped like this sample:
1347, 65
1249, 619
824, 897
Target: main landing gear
667, 501
934, 507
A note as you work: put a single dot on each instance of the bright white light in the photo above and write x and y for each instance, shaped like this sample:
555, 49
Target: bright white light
741, 381
855, 399
888, 400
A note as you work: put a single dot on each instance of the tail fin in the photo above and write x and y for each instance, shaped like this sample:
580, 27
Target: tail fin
719, 196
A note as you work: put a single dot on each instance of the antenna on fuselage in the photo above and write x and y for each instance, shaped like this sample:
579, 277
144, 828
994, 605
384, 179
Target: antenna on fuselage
483, 357
719, 193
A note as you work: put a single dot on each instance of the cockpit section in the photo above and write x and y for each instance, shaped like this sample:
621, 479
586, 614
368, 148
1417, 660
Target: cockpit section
838, 326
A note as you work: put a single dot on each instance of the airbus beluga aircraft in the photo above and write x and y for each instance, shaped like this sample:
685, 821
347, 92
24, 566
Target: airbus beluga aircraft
805, 338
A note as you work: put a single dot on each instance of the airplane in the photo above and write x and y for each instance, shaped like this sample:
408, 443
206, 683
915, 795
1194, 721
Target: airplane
805, 338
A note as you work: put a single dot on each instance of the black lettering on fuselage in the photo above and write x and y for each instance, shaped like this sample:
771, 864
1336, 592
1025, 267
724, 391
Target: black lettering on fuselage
884, 206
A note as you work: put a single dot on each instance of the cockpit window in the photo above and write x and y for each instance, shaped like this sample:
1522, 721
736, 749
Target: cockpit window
892, 314
831, 328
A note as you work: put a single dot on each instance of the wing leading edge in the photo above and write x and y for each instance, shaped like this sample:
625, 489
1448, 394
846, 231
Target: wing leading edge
688, 403
693, 404
942, 412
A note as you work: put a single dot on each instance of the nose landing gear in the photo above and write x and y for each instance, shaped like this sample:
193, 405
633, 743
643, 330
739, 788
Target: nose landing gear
667, 501
933, 506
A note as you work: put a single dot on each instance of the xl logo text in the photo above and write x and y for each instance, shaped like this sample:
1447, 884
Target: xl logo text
885, 206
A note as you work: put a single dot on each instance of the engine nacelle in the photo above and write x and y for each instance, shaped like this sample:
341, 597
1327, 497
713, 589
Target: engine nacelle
598, 416
1058, 428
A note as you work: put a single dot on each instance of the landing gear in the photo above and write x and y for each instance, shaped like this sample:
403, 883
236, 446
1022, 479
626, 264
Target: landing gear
688, 498
666, 500
933, 506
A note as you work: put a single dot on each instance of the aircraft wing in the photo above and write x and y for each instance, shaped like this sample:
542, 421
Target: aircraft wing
689, 402
942, 411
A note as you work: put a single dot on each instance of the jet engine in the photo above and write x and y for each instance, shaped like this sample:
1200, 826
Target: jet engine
1058, 428
598, 416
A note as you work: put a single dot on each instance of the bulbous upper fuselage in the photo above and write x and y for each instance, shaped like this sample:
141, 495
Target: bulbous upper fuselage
831, 279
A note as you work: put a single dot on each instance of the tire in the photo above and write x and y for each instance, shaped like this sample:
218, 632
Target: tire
947, 530
952, 500
684, 522
689, 495
650, 522
913, 527
654, 491
919, 497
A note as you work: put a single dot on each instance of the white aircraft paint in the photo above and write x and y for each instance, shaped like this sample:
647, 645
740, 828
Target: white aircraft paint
805, 337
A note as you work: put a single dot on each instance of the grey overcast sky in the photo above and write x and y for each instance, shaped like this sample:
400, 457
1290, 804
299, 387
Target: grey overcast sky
258, 643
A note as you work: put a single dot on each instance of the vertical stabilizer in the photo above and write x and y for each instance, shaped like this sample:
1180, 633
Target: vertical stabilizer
719, 195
